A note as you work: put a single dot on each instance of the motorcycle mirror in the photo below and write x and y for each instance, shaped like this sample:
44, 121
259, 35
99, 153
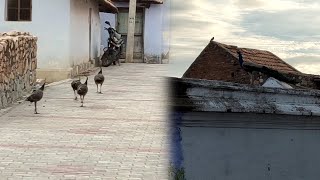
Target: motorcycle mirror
107, 22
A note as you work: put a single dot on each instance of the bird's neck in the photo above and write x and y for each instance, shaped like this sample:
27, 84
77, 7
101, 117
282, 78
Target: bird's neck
241, 60
42, 87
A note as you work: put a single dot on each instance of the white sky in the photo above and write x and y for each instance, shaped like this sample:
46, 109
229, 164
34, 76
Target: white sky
288, 28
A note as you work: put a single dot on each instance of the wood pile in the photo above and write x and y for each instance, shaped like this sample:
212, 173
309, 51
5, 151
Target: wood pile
18, 63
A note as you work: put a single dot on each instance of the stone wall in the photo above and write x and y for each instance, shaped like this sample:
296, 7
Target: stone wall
18, 62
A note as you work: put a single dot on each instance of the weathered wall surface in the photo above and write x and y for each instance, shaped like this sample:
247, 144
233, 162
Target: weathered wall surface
18, 62
156, 33
52, 27
81, 51
104, 33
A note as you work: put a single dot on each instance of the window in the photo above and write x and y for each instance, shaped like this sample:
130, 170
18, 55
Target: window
19, 10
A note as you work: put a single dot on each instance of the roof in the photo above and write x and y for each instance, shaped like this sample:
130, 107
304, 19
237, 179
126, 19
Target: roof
144, 1
225, 57
107, 6
261, 57
198, 95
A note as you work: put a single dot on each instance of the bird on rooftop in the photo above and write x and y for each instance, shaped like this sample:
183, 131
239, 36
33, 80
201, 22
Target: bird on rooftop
99, 79
74, 85
250, 68
36, 96
82, 91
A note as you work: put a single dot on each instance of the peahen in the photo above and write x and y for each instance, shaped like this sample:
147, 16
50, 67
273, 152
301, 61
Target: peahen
99, 79
36, 96
82, 91
74, 85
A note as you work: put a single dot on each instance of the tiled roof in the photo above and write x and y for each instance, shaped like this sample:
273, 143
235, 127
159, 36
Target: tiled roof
261, 57
107, 6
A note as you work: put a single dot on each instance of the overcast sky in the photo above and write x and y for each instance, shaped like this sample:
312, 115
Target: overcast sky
288, 28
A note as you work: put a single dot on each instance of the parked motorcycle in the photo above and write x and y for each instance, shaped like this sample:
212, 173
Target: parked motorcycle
113, 51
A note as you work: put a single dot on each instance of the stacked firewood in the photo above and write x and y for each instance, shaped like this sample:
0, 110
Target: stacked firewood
18, 63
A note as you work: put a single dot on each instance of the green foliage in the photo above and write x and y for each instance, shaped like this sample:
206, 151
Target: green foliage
176, 174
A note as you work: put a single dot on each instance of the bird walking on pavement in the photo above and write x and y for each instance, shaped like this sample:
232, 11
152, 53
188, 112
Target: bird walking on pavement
99, 79
82, 91
75, 84
36, 96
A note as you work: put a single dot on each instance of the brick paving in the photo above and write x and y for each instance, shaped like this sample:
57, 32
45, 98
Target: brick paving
120, 134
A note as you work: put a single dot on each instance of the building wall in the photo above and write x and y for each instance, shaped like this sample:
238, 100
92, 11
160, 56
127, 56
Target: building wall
104, 33
79, 32
274, 152
153, 34
51, 24
166, 31
156, 37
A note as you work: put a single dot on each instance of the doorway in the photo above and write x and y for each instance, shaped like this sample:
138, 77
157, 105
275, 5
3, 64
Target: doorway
122, 28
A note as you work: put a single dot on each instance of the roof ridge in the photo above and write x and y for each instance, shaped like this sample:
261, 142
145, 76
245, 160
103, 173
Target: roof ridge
221, 45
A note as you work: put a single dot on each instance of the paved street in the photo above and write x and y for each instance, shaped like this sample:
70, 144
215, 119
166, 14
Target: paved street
120, 134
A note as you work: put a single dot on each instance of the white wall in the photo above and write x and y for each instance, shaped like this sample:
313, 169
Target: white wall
166, 27
153, 30
104, 33
51, 24
79, 31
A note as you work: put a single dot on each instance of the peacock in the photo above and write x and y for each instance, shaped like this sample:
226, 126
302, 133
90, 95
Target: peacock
250, 68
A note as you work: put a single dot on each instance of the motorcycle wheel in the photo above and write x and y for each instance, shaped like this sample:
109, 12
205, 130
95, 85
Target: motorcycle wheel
106, 58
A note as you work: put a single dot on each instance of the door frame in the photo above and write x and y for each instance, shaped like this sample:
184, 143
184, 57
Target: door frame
126, 9
90, 33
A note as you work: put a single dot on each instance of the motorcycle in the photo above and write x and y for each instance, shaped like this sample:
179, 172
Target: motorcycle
113, 51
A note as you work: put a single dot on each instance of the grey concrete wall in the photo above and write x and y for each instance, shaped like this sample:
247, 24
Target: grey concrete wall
272, 153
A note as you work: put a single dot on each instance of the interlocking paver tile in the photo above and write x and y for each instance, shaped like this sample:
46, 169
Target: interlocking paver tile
120, 134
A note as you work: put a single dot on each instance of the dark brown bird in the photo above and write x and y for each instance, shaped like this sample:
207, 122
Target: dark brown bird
99, 79
82, 91
35, 97
75, 84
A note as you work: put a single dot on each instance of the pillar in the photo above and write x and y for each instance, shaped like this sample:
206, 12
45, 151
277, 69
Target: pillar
131, 28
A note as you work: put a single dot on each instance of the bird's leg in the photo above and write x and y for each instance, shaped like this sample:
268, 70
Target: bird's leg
97, 88
35, 107
100, 88
75, 95
81, 97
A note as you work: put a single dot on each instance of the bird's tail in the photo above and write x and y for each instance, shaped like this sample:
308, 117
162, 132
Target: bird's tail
86, 81
28, 99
